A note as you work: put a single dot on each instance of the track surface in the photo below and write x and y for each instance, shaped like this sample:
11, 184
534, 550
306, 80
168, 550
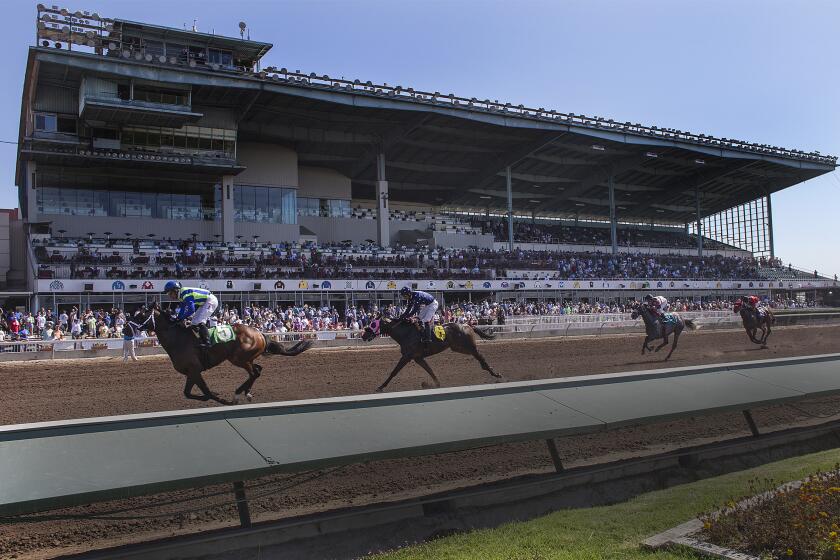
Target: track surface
40, 391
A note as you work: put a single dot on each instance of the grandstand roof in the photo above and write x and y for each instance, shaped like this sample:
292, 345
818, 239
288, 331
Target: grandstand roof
451, 151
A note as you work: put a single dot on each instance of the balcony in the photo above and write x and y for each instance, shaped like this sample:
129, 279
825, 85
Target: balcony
63, 153
114, 110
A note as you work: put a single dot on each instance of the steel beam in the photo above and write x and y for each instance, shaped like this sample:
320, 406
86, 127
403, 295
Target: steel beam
699, 222
613, 224
509, 208
770, 226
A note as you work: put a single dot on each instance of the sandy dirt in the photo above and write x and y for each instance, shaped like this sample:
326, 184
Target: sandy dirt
62, 389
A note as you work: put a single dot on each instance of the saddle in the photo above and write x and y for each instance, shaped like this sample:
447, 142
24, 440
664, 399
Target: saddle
218, 334
439, 331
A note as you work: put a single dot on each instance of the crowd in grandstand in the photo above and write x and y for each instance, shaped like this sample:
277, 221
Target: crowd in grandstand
75, 324
195, 259
546, 232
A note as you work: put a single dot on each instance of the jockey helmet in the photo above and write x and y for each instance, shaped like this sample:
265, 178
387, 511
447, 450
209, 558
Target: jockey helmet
171, 285
405, 291
648, 297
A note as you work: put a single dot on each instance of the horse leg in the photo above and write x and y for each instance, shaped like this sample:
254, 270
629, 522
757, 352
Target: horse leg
645, 345
664, 343
188, 391
484, 365
422, 363
198, 380
401, 364
253, 371
674, 346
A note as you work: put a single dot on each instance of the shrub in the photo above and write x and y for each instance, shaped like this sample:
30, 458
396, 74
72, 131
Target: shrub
794, 521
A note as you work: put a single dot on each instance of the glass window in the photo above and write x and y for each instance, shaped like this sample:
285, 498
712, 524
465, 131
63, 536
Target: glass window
289, 206
262, 212
339, 208
45, 122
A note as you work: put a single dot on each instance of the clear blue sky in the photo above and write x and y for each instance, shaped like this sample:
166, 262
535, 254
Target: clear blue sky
762, 70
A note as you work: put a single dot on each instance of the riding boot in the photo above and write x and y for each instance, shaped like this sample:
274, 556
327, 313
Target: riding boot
203, 335
427, 334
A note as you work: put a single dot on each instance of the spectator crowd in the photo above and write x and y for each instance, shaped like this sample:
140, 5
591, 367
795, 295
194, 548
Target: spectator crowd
199, 260
76, 324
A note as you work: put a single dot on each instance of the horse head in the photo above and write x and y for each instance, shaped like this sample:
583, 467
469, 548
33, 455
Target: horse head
375, 328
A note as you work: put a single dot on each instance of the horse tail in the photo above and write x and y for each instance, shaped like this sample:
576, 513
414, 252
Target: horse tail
691, 325
277, 348
486, 335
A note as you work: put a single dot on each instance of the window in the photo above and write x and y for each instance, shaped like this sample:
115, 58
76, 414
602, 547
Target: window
129, 204
223, 58
323, 207
272, 205
45, 122
49, 122
151, 94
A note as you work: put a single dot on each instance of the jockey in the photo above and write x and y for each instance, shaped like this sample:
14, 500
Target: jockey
658, 304
752, 303
424, 306
197, 305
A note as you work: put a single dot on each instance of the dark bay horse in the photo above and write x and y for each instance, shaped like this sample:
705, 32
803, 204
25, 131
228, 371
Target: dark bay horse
656, 328
459, 338
753, 322
190, 360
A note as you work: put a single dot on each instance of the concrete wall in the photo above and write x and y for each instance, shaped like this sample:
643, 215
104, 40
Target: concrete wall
5, 248
18, 276
267, 164
331, 230
318, 182
269, 233
462, 240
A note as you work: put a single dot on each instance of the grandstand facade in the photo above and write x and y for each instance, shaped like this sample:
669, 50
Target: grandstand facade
148, 152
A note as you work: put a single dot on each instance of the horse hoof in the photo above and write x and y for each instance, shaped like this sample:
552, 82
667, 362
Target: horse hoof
425, 385
249, 396
378, 390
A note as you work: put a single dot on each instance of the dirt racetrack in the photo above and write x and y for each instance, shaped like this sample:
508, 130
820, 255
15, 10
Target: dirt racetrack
53, 390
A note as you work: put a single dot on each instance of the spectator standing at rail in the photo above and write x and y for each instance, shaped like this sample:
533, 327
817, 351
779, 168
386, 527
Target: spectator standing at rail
130, 331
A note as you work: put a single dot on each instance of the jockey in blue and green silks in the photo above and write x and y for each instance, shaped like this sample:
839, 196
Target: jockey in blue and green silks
197, 305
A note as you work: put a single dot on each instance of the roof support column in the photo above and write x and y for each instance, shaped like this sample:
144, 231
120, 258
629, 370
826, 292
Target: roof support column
613, 224
383, 231
699, 222
509, 208
769, 207
228, 233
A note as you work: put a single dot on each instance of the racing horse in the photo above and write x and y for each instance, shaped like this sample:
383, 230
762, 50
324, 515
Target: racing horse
657, 328
753, 321
458, 338
190, 360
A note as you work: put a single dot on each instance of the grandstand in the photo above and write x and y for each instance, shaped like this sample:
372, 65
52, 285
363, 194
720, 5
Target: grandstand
149, 152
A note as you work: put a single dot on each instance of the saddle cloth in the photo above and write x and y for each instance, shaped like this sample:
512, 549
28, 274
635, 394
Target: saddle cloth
440, 332
220, 334
669, 318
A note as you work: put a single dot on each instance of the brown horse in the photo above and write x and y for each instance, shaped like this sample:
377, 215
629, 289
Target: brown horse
753, 321
190, 360
458, 338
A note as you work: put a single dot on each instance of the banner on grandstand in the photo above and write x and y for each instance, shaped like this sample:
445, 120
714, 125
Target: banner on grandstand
306, 285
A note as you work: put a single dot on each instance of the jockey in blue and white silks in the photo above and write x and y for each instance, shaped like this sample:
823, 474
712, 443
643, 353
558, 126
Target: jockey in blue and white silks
422, 304
197, 305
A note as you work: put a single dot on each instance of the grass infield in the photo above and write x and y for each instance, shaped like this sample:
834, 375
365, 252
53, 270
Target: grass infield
611, 531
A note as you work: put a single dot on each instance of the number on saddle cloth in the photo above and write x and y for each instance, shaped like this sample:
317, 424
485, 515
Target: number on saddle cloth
221, 333
440, 332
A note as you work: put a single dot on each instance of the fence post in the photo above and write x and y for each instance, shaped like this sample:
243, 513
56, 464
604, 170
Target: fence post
242, 503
